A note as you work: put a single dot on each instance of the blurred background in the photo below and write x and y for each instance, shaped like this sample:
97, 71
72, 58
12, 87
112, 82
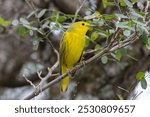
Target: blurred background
114, 80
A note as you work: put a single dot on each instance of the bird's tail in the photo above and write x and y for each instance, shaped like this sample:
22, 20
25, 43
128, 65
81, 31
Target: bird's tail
65, 81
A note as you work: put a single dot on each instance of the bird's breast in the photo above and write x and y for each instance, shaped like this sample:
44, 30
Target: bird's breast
75, 46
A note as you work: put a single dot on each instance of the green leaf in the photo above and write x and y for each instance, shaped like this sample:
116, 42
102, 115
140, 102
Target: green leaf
122, 25
4, 22
130, 25
144, 83
97, 46
139, 23
96, 14
24, 21
110, 4
35, 43
120, 97
127, 33
55, 17
61, 19
46, 25
122, 3
103, 33
134, 0
104, 59
30, 27
31, 32
104, 3
41, 13
120, 52
140, 75
128, 3
22, 31
118, 55
148, 44
144, 35
120, 15
71, 16
109, 17
94, 35
137, 14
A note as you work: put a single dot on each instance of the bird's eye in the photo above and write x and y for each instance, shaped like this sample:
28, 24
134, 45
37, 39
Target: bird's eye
83, 24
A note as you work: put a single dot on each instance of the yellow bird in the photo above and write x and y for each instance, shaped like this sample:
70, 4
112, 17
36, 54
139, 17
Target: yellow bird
71, 49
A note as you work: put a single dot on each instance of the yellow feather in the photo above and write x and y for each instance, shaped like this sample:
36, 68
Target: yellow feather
71, 48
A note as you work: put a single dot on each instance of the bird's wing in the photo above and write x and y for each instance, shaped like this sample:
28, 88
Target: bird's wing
62, 51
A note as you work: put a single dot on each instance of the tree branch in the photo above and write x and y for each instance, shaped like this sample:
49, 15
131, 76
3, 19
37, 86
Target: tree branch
104, 51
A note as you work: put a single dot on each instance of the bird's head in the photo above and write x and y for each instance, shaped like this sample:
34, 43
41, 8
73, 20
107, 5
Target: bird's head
79, 27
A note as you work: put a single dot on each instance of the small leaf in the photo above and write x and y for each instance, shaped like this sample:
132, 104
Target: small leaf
104, 3
136, 14
127, 33
148, 44
118, 55
140, 75
61, 19
109, 17
71, 16
31, 32
15, 22
134, 0
122, 25
41, 13
144, 34
24, 21
35, 43
54, 16
120, 97
128, 3
122, 3
103, 33
30, 27
120, 16
120, 52
4, 22
139, 23
94, 35
46, 25
143, 83
22, 31
110, 4
97, 46
96, 14
104, 59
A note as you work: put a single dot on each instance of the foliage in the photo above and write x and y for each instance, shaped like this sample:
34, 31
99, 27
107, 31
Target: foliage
107, 30
4, 22
141, 77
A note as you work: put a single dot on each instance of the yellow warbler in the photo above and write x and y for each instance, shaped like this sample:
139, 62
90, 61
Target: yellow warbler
71, 48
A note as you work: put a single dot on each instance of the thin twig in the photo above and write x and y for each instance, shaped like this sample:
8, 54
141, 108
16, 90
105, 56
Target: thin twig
117, 4
78, 10
30, 82
123, 89
90, 60
31, 5
137, 95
